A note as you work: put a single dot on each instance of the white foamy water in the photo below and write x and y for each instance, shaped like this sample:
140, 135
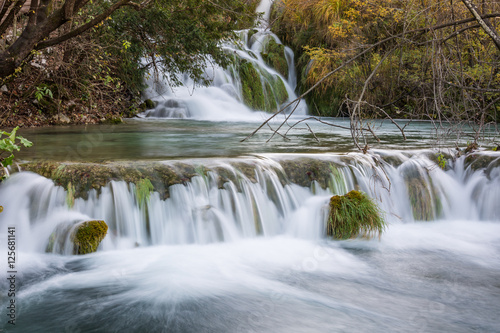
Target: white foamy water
252, 256
223, 99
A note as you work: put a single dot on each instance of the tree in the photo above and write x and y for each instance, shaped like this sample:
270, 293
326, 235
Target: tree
396, 59
51, 22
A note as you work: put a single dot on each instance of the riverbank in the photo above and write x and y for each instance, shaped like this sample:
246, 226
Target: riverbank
43, 96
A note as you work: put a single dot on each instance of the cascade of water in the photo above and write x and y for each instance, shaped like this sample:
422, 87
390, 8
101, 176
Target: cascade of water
202, 211
261, 78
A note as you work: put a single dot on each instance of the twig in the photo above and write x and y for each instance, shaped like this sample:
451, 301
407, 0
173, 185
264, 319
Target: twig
310, 130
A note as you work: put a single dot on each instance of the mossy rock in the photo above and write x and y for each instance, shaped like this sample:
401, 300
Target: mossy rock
492, 166
251, 86
276, 93
425, 201
274, 56
437, 158
83, 177
303, 171
479, 161
354, 215
251, 33
88, 235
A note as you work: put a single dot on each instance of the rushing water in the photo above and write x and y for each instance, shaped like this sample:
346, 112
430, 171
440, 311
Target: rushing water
251, 256
241, 246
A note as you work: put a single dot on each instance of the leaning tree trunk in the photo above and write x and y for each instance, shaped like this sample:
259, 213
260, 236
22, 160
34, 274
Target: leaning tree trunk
485, 24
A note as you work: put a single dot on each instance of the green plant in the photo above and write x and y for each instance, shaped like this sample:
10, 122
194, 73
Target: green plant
8, 145
42, 92
441, 161
143, 191
353, 215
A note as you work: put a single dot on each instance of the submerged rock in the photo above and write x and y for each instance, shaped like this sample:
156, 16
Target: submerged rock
76, 237
87, 236
424, 198
353, 215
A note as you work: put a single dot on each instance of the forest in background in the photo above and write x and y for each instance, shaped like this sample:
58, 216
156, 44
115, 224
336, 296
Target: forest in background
425, 59
84, 62
378, 59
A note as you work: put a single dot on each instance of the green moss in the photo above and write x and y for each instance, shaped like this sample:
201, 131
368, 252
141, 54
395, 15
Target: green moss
303, 171
478, 161
424, 200
251, 86
88, 235
112, 119
269, 97
251, 32
274, 56
280, 90
143, 191
353, 215
70, 195
275, 88
51, 243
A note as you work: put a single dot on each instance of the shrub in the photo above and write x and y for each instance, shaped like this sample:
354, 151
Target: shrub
353, 215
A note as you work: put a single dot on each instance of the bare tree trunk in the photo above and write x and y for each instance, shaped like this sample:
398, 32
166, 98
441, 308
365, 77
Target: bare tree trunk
485, 24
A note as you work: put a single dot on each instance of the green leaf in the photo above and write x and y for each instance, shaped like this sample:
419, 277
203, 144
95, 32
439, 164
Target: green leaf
5, 146
8, 161
13, 134
25, 142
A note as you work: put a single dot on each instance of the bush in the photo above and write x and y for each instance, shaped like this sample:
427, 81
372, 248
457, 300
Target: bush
8, 145
353, 215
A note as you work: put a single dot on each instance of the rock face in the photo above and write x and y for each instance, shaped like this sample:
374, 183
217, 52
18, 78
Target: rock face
353, 215
88, 235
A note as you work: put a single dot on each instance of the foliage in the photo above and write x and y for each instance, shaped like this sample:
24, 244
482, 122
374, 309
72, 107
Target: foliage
8, 145
353, 215
184, 37
42, 92
441, 161
95, 66
445, 74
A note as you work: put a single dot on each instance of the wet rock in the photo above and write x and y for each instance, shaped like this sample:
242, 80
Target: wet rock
88, 235
169, 109
61, 119
354, 215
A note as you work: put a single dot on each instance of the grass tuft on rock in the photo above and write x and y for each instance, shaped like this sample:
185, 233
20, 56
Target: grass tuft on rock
354, 215
88, 235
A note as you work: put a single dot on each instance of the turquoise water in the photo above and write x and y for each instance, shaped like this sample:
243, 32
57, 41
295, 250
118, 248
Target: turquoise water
184, 138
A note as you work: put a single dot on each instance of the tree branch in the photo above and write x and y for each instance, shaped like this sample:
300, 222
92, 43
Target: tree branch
4, 9
10, 17
81, 29
360, 54
483, 22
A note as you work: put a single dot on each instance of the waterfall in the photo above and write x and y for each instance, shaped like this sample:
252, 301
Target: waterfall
277, 197
261, 78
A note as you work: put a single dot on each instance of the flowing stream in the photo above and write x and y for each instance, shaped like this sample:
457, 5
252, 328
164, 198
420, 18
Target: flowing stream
232, 237
250, 254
